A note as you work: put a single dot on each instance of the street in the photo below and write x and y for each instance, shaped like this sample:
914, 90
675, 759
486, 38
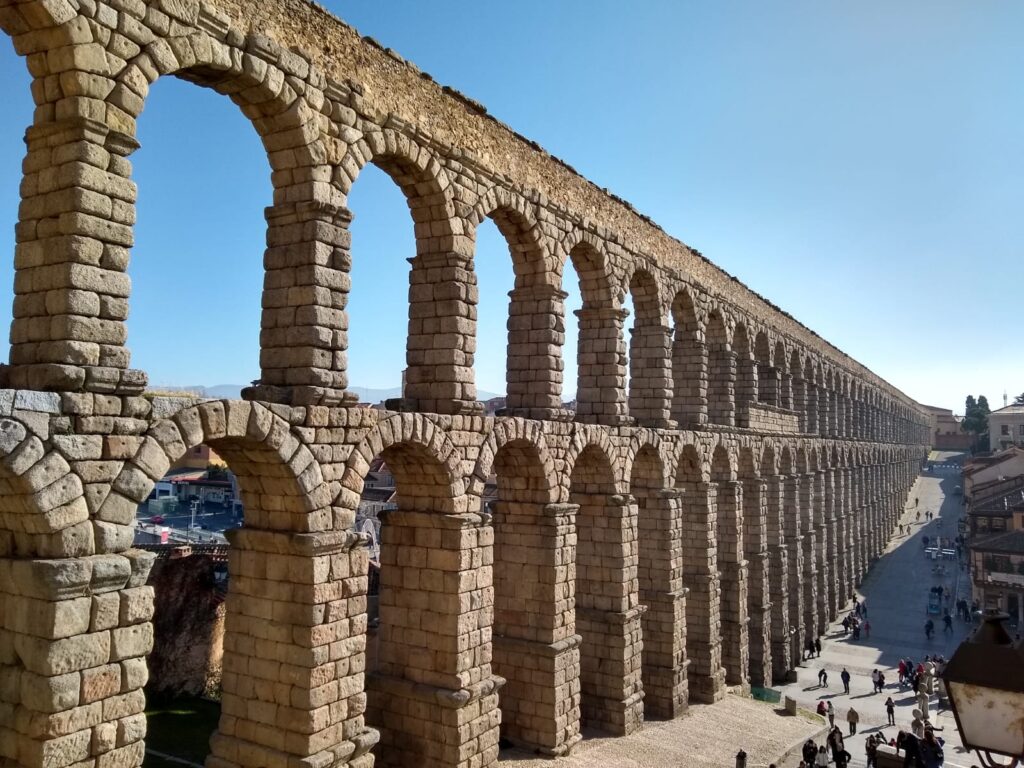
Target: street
211, 521
896, 592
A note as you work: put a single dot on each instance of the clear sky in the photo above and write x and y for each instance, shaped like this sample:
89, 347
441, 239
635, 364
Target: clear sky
859, 164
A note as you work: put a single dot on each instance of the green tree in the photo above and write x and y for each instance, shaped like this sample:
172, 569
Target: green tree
1019, 399
976, 420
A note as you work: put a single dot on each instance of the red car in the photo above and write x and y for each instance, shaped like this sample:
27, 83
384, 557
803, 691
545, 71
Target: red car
157, 519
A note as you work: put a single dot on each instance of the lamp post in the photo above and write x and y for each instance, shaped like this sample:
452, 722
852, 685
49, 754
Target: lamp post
985, 681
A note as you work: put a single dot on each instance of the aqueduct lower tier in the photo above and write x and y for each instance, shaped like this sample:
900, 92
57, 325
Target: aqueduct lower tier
622, 573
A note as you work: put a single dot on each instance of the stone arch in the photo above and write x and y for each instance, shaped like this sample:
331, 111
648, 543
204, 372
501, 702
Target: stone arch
281, 482
721, 371
690, 466
517, 433
420, 451
43, 510
593, 439
769, 378
532, 586
728, 527
442, 280
659, 576
746, 388
601, 353
689, 362
650, 379
605, 534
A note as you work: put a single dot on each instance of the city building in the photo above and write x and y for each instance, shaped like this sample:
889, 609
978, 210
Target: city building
1006, 427
947, 434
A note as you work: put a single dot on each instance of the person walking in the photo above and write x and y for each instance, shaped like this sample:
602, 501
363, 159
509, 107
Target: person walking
890, 710
947, 620
852, 718
874, 681
821, 759
809, 752
845, 677
871, 750
903, 670
817, 647
867, 628
881, 681
831, 715
822, 678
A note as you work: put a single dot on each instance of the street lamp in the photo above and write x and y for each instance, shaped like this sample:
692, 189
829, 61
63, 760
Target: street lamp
985, 681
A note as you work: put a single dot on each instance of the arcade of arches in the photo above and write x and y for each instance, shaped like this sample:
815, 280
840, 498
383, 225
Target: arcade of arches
654, 544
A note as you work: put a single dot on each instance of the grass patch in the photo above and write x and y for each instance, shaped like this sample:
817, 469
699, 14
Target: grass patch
181, 727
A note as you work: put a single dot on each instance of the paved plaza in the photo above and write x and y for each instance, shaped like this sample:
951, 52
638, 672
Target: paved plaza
896, 592
708, 736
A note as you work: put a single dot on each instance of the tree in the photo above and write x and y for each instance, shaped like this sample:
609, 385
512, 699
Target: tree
976, 420
1019, 399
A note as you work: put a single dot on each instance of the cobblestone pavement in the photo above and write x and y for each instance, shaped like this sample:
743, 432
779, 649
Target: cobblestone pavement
708, 736
896, 590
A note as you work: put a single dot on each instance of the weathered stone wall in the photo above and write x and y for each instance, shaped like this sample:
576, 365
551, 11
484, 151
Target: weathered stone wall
766, 418
659, 542
625, 570
188, 623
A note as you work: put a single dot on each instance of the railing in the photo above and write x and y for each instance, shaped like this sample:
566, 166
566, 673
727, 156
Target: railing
1015, 579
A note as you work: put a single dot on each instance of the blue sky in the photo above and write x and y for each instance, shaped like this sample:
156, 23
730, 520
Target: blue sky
859, 164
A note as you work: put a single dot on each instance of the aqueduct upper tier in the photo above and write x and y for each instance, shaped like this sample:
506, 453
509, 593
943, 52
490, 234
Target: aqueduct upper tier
666, 537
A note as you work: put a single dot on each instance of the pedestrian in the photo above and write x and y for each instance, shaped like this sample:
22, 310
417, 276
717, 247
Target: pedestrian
845, 677
846, 625
902, 670
890, 710
809, 752
831, 715
929, 628
822, 678
821, 759
871, 749
948, 621
852, 717
867, 629
817, 646
835, 743
930, 750
881, 681
874, 681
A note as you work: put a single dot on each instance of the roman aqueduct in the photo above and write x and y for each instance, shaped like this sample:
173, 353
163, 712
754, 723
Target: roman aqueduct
659, 542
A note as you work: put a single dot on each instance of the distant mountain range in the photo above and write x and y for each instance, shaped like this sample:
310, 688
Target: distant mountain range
231, 391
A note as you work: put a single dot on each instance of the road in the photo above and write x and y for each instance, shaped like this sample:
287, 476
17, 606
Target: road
896, 593
211, 520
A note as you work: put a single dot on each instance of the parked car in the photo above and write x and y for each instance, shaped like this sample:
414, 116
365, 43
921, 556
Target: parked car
157, 519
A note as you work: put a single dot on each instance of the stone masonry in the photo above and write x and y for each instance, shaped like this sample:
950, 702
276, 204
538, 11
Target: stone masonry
663, 540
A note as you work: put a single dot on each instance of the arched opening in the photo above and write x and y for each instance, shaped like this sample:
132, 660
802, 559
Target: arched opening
778, 567
721, 373
799, 388
16, 85
383, 240
746, 374
517, 303
660, 577
731, 566
785, 377
793, 537
196, 270
600, 353
689, 365
700, 576
650, 358
769, 380
607, 614
811, 525
441, 337
425, 646
534, 646
756, 553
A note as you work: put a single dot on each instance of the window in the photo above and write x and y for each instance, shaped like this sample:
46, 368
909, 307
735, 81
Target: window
998, 524
1004, 429
1020, 430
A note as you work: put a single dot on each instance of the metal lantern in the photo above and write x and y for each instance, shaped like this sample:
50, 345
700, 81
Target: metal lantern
985, 681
